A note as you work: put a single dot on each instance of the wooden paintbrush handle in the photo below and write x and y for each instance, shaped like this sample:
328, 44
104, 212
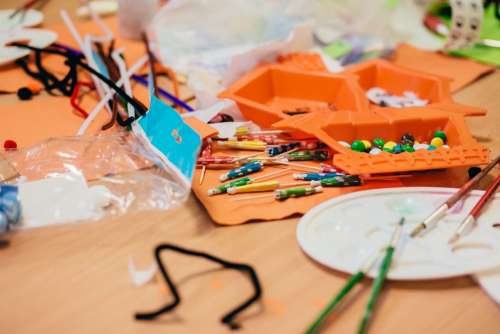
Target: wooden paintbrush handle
486, 196
471, 183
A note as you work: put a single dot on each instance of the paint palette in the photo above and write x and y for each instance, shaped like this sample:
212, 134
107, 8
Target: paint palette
344, 232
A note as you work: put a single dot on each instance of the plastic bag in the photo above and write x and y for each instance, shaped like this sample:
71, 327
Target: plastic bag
80, 178
205, 33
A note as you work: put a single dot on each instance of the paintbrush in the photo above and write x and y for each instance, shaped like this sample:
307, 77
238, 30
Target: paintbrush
441, 211
474, 213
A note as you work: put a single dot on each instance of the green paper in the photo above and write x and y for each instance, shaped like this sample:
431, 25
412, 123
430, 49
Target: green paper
337, 49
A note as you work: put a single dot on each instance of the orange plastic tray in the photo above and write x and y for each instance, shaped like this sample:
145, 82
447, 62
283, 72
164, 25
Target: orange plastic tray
263, 94
268, 92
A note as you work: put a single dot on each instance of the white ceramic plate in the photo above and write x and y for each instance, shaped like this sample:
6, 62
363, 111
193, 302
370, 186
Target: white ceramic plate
343, 232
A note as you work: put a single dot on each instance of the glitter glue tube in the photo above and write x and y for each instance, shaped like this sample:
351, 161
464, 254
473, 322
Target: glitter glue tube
216, 160
283, 194
254, 187
314, 176
311, 144
244, 170
268, 139
326, 168
251, 145
276, 150
308, 156
339, 181
223, 188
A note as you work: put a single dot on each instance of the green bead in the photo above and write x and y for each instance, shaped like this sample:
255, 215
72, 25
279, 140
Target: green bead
378, 142
358, 146
440, 134
408, 148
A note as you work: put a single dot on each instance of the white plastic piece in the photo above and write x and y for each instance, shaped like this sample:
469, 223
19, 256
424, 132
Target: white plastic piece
375, 151
61, 199
420, 147
102, 8
342, 232
344, 143
141, 277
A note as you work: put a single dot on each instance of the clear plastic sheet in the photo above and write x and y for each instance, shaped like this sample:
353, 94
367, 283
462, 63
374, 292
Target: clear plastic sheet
78, 178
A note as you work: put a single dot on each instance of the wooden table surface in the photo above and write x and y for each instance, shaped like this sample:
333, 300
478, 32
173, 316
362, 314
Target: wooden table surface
74, 278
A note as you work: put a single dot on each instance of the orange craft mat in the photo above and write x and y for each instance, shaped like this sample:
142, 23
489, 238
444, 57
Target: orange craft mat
224, 211
462, 71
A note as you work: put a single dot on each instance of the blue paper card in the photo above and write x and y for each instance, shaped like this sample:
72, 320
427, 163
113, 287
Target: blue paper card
175, 141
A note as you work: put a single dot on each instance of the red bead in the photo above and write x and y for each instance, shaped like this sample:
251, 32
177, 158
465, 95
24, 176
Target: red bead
9, 145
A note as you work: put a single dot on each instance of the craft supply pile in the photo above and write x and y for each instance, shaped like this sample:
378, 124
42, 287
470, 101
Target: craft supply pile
265, 111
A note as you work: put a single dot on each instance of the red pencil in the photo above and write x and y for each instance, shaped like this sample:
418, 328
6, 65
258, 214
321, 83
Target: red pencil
470, 220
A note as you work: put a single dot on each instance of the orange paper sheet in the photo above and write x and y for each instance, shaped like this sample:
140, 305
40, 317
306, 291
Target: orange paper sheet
45, 116
225, 211
462, 71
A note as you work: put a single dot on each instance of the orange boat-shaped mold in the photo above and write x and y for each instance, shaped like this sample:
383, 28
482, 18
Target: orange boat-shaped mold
272, 93
391, 123
396, 80
268, 91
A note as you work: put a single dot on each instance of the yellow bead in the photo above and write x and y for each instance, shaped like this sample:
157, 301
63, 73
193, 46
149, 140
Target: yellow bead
437, 142
389, 146
368, 145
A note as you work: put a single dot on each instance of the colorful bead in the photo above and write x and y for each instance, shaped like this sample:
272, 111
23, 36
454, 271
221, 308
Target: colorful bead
375, 151
441, 134
431, 148
9, 145
314, 176
420, 146
367, 144
283, 194
407, 139
445, 146
389, 146
408, 148
358, 146
397, 149
249, 168
378, 142
437, 142
223, 188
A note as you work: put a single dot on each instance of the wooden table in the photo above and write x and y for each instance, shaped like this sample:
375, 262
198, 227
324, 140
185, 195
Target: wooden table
74, 278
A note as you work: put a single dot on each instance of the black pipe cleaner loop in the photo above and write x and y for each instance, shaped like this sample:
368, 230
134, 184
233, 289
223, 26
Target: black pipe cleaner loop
228, 318
67, 84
